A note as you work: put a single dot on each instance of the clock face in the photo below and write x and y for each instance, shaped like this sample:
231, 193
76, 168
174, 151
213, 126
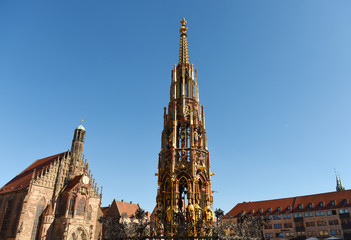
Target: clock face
85, 180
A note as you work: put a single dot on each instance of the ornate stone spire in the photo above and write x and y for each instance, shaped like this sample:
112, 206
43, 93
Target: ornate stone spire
184, 194
339, 186
183, 49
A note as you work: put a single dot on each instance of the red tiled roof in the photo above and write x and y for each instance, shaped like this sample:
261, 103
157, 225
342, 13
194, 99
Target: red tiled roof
127, 208
22, 180
253, 208
120, 208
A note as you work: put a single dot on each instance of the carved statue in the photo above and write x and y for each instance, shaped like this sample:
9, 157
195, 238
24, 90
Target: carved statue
209, 213
198, 210
190, 213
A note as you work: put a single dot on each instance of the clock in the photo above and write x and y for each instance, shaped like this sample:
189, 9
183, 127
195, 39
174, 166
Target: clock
85, 180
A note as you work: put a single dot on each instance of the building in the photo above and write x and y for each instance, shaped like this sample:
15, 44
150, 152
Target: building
320, 215
184, 174
54, 198
124, 210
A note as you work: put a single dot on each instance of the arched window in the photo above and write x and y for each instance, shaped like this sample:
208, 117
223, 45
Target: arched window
19, 204
179, 132
183, 190
71, 206
39, 211
81, 207
188, 137
6, 220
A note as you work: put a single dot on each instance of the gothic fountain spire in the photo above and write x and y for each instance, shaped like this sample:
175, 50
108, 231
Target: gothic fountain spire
184, 195
183, 48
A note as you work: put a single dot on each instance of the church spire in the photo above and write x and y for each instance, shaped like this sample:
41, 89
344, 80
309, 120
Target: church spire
183, 49
339, 186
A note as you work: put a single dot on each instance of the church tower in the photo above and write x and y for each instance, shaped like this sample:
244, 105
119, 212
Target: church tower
184, 196
77, 162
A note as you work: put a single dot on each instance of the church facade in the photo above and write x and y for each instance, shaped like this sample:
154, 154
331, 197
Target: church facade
54, 198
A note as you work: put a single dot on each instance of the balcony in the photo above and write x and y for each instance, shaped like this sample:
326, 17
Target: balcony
298, 219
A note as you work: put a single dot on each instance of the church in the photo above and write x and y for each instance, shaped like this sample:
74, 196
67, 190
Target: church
54, 198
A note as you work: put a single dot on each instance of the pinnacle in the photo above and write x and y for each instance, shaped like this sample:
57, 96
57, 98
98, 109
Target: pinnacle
183, 49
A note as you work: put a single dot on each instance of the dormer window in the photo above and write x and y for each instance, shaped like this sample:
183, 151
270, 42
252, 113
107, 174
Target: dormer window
260, 211
289, 208
321, 204
310, 205
269, 209
299, 206
278, 208
332, 203
344, 201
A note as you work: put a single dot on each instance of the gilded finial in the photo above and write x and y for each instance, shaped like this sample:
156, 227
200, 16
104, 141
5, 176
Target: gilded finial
183, 28
81, 121
183, 51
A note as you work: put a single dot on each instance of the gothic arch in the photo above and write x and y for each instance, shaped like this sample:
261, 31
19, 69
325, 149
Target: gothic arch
78, 233
37, 218
185, 175
81, 207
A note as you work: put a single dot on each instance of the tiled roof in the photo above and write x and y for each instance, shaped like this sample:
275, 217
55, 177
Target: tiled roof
271, 207
120, 208
128, 208
22, 180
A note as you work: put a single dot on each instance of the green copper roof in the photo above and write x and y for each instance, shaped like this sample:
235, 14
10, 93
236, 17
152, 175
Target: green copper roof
80, 127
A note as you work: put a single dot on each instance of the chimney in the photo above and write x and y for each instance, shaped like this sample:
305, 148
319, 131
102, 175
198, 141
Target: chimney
131, 202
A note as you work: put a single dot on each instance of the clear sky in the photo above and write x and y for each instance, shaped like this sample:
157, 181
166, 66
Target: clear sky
274, 77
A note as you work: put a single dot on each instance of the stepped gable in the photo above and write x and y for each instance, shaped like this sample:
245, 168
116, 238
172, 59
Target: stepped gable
23, 179
270, 207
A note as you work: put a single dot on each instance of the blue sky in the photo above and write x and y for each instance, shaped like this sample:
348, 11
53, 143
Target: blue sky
274, 77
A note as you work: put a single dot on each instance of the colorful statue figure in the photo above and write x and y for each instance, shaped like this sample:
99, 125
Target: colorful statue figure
209, 213
196, 138
198, 210
190, 213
